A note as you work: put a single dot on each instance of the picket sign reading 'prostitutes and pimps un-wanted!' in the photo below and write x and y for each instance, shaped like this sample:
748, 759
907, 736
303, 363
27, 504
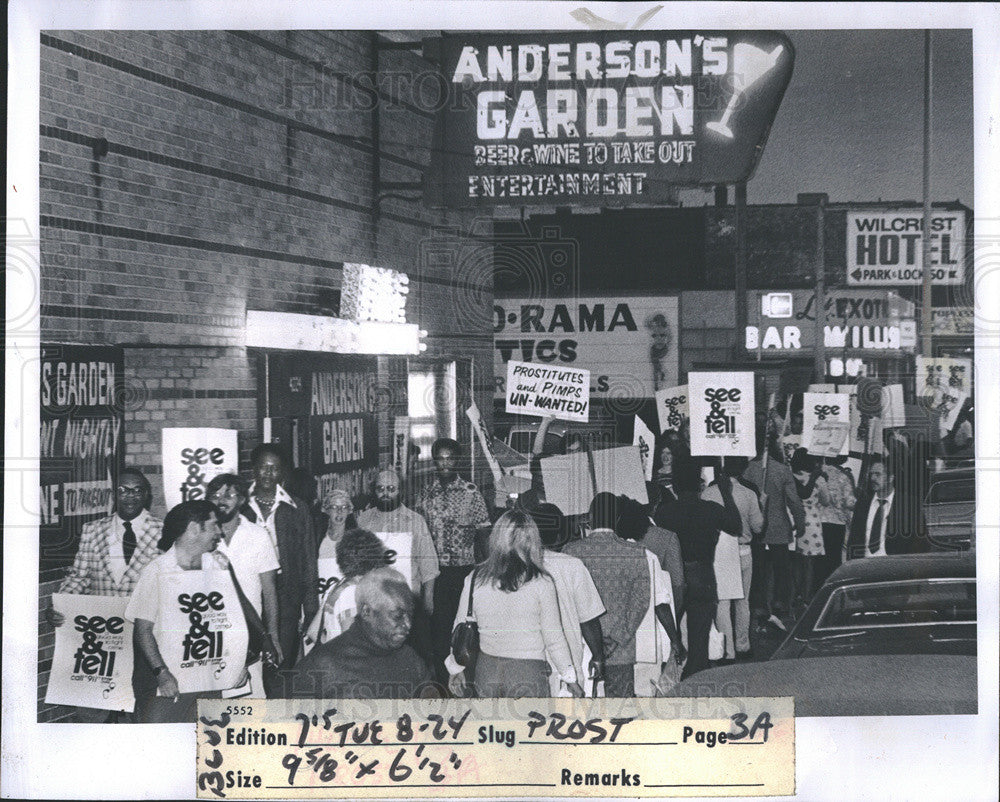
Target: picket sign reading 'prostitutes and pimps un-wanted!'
92, 661
722, 414
563, 393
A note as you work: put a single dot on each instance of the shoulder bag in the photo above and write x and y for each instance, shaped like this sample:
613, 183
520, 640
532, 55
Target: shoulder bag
465, 637
259, 641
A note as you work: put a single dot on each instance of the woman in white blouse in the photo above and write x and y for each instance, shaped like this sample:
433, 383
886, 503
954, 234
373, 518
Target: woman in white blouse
516, 608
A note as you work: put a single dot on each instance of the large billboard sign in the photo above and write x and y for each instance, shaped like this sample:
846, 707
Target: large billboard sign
628, 343
885, 248
600, 117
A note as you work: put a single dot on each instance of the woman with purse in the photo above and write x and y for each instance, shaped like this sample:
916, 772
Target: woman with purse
513, 602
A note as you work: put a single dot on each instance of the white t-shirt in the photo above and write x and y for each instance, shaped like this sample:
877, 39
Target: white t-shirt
579, 600
251, 553
650, 637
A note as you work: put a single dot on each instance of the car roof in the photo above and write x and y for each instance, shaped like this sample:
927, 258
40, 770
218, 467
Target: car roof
943, 565
846, 685
954, 473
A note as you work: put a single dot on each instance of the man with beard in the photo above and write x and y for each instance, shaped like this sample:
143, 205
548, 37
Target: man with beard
390, 515
252, 556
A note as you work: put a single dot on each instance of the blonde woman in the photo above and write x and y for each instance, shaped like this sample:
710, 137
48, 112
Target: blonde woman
517, 610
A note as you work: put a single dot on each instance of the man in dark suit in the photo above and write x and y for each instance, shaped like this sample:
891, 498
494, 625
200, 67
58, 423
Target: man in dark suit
886, 520
289, 523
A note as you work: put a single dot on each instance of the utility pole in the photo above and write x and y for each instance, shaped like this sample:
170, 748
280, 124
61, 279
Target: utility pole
926, 346
819, 350
741, 267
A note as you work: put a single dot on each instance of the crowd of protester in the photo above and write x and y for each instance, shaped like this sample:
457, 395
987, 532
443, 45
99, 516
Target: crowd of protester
622, 601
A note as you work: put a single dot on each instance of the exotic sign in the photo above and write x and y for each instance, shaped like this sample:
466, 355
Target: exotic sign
629, 344
82, 394
856, 320
600, 116
885, 247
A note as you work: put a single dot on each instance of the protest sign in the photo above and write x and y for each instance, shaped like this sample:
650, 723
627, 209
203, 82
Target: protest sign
200, 631
943, 384
829, 439
820, 408
329, 574
948, 420
893, 411
399, 552
476, 419
92, 661
192, 458
672, 406
722, 414
570, 485
563, 393
643, 439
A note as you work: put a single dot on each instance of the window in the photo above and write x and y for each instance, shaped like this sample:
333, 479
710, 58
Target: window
904, 603
431, 395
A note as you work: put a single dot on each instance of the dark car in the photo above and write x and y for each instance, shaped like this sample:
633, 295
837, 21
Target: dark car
849, 685
884, 636
950, 509
903, 604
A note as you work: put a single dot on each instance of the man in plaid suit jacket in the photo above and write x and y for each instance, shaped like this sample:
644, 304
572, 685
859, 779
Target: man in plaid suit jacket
102, 567
112, 553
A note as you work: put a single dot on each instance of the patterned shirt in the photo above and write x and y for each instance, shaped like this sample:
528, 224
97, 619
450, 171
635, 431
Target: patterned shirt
621, 574
92, 574
454, 512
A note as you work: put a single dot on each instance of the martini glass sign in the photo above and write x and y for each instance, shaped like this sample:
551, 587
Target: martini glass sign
754, 63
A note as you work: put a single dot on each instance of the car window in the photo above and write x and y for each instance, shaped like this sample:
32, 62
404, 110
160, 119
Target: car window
522, 441
952, 490
908, 602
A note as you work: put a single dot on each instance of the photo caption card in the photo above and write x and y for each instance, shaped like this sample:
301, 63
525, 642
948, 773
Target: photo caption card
661, 747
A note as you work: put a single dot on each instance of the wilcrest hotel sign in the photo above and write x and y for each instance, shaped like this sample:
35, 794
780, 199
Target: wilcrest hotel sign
601, 117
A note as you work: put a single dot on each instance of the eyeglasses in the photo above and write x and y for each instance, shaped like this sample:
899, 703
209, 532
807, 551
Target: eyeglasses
219, 495
387, 488
340, 507
130, 491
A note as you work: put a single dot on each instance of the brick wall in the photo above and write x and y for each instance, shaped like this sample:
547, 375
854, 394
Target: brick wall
189, 176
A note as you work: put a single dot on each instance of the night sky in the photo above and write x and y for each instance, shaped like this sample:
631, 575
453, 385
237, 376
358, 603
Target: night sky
851, 122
